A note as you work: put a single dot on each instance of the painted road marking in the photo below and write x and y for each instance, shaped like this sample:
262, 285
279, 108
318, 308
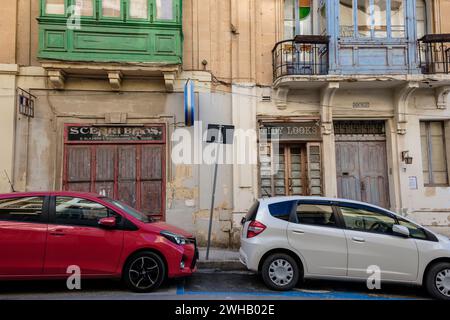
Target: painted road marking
331, 295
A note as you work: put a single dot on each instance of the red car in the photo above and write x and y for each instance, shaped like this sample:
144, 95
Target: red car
42, 234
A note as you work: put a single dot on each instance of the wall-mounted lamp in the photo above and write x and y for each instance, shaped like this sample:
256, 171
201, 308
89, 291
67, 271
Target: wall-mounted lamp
406, 158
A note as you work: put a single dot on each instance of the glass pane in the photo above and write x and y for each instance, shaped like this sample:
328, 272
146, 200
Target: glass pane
398, 18
364, 18
85, 7
289, 19
421, 18
76, 211
415, 231
318, 215
164, 9
54, 7
379, 18
139, 9
364, 220
346, 18
111, 8
323, 19
27, 209
305, 17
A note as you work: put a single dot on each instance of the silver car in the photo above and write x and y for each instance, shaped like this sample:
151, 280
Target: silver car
290, 238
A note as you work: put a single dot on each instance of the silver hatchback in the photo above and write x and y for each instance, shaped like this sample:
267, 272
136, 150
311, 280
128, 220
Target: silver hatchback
290, 238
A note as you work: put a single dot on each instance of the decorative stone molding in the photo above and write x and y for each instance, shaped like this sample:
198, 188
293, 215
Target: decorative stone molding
441, 94
115, 80
281, 95
402, 95
326, 108
57, 78
169, 79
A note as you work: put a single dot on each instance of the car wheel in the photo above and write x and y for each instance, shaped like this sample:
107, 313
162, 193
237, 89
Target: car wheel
437, 281
280, 272
144, 272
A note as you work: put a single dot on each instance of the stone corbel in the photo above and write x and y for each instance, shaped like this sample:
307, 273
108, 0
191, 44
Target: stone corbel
281, 95
57, 78
169, 79
402, 96
326, 106
115, 80
441, 97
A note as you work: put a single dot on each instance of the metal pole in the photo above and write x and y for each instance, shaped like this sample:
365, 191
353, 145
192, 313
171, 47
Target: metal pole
211, 214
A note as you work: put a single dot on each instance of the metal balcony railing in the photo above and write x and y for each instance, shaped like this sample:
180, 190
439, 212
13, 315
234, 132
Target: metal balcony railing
434, 53
303, 55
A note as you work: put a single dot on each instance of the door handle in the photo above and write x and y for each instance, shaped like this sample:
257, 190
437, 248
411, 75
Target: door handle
357, 239
57, 233
298, 231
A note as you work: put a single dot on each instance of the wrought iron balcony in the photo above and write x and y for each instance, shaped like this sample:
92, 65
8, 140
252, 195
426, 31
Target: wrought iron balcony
434, 53
303, 55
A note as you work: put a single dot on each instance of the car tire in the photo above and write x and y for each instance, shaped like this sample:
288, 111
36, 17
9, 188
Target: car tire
437, 281
144, 272
280, 272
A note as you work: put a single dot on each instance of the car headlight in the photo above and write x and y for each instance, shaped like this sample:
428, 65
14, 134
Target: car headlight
173, 237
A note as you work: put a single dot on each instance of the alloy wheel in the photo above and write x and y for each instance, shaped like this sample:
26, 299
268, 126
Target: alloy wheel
144, 272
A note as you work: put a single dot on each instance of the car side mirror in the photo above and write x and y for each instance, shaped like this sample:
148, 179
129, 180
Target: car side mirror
401, 230
108, 223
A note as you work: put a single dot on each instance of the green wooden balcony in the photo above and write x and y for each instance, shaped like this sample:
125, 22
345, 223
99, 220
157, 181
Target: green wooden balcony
131, 31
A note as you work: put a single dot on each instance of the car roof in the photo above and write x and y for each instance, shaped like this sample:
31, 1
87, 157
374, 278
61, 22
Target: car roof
272, 200
51, 193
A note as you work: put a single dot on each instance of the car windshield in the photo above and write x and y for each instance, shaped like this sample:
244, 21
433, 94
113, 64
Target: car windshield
129, 210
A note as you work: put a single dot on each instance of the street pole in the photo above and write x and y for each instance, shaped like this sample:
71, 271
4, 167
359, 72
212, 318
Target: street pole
213, 198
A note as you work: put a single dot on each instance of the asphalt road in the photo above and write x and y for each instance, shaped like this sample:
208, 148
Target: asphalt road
206, 285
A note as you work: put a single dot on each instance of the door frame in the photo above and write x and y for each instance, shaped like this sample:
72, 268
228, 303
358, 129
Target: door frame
93, 144
370, 138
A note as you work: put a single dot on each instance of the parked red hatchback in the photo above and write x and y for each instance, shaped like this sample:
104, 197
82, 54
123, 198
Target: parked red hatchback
43, 234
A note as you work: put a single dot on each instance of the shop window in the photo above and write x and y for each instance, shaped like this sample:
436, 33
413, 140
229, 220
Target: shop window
434, 153
164, 9
85, 7
111, 8
297, 18
54, 6
373, 18
138, 9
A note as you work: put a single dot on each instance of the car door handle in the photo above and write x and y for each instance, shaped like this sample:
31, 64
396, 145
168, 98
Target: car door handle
357, 239
57, 233
298, 231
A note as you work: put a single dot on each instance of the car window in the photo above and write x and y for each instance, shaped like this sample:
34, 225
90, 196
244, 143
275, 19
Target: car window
415, 231
281, 210
81, 212
316, 214
251, 214
25, 209
131, 211
367, 220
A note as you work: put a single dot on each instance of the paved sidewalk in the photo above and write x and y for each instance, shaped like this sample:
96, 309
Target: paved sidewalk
220, 259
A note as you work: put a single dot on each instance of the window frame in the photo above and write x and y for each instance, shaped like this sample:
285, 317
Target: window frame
339, 222
43, 4
297, 20
43, 218
121, 225
431, 184
124, 18
372, 38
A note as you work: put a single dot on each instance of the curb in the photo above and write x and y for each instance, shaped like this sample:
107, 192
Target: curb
222, 265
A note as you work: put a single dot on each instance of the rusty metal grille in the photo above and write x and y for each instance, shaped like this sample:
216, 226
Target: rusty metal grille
371, 127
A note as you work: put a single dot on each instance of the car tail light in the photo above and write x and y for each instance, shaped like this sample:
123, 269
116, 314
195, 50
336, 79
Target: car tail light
255, 228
